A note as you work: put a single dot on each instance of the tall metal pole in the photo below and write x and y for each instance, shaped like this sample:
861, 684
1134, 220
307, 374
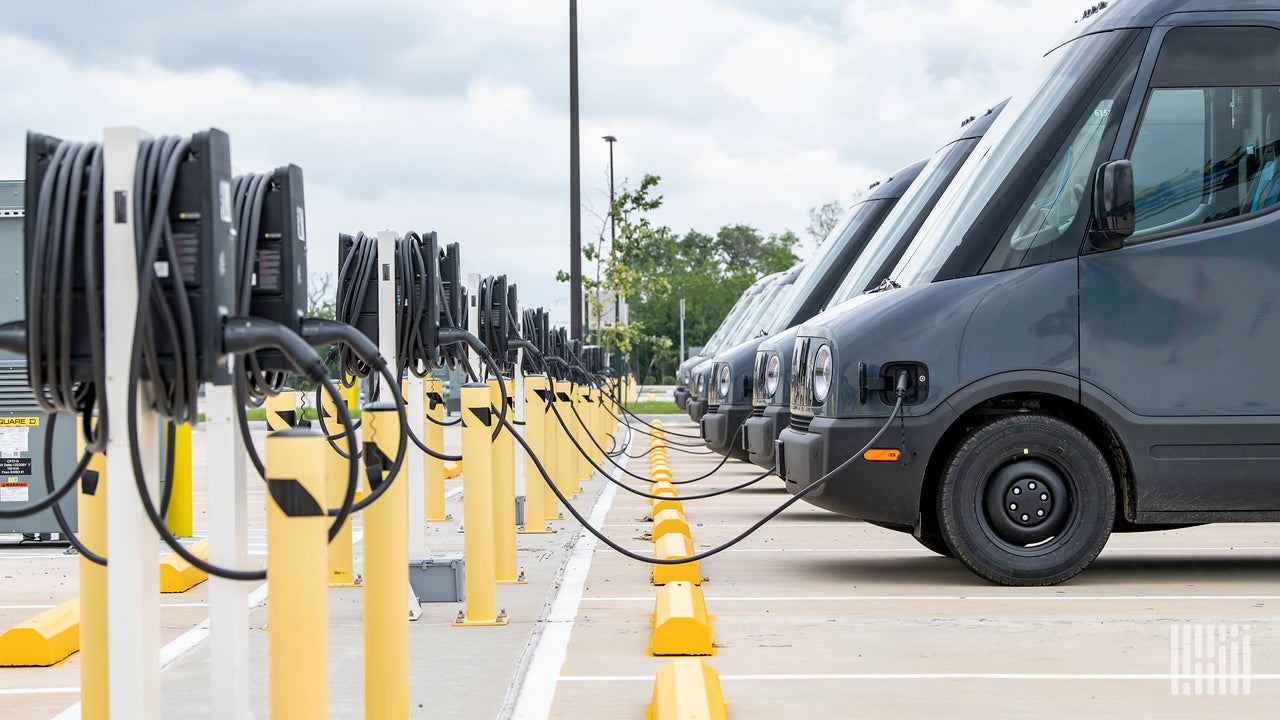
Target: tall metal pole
681, 331
575, 184
613, 232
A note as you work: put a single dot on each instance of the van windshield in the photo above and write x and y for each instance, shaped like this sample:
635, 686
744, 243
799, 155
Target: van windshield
827, 254
759, 318
732, 318
932, 180
999, 151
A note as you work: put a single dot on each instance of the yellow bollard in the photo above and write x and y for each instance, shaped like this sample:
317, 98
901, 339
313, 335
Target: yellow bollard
573, 470
298, 613
505, 570
583, 433
598, 425
535, 490
386, 571
92, 516
434, 431
551, 454
179, 517
353, 392
282, 410
341, 563
566, 453
477, 516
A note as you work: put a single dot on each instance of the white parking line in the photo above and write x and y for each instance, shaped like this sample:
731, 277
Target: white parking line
944, 598
918, 550
538, 689
932, 676
40, 691
46, 607
192, 638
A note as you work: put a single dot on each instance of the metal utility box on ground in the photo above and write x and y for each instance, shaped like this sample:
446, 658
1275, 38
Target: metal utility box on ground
22, 425
438, 579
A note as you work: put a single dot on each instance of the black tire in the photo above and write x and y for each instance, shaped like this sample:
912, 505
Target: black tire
1026, 500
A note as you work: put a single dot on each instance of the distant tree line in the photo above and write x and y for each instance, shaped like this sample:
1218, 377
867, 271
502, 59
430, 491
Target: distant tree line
654, 268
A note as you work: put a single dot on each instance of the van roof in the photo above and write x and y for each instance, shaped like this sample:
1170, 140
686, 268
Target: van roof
897, 184
1118, 14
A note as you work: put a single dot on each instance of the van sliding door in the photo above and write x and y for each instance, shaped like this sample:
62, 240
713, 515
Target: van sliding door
1182, 325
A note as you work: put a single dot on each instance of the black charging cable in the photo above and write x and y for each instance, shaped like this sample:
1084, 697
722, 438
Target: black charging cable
582, 451
666, 432
63, 525
893, 415
66, 234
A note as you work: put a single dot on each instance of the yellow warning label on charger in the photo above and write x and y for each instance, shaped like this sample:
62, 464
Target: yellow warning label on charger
19, 421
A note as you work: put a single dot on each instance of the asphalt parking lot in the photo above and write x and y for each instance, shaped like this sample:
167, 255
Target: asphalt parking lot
818, 616
815, 616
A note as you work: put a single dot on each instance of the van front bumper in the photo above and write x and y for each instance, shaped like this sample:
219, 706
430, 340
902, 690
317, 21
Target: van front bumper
682, 398
697, 408
720, 427
760, 432
887, 493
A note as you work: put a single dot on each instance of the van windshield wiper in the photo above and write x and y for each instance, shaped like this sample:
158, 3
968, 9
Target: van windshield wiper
885, 284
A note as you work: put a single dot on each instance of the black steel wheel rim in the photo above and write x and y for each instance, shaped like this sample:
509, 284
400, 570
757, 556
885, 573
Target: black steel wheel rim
1027, 505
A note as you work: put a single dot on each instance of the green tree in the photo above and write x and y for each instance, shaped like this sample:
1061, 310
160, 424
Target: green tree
653, 268
710, 273
620, 265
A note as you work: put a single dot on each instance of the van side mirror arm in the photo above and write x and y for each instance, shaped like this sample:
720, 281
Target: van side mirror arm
1114, 217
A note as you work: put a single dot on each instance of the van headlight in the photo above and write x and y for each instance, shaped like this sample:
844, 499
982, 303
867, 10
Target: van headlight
726, 379
701, 383
822, 372
772, 373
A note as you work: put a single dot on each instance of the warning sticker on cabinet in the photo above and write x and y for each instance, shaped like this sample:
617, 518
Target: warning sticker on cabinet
13, 492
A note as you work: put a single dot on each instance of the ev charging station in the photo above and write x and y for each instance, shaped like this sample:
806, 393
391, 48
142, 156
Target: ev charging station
176, 277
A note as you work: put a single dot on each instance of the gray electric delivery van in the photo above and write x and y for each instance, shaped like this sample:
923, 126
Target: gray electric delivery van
1083, 332
716, 340
730, 377
749, 325
769, 396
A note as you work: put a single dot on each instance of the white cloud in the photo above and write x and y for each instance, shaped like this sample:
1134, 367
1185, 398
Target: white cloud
453, 116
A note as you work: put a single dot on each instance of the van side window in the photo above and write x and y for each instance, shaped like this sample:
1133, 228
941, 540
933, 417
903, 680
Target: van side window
1206, 145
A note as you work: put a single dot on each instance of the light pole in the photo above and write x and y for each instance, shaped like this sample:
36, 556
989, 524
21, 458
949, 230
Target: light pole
613, 228
613, 231
575, 194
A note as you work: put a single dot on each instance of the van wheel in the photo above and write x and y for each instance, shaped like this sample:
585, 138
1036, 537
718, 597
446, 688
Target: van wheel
1026, 500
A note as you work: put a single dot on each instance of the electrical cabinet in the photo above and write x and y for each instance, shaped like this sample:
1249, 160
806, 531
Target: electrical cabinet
23, 426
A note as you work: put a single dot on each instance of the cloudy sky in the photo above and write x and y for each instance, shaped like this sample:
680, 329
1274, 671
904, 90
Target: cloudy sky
453, 116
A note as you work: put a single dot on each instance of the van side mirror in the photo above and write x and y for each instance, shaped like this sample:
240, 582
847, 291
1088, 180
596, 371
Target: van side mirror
1114, 218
